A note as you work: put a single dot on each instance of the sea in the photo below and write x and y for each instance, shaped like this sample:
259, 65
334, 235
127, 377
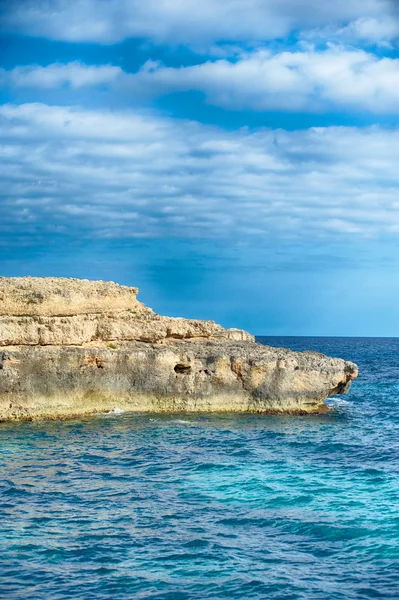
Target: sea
127, 506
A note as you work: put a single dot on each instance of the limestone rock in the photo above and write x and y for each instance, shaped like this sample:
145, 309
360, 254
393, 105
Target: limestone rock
70, 312
76, 330
59, 296
74, 354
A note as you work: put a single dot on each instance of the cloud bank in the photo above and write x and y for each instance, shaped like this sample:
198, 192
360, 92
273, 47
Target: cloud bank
129, 174
188, 22
307, 81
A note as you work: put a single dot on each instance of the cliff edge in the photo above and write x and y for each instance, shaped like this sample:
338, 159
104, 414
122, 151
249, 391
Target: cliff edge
72, 347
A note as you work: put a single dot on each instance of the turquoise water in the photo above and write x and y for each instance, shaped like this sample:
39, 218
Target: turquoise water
180, 507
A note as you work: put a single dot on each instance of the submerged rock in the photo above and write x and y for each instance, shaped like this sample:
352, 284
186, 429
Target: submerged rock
70, 347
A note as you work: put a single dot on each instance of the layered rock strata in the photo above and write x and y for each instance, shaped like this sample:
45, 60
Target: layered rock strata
70, 347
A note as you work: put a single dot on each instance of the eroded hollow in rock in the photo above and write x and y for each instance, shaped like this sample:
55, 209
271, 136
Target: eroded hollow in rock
181, 368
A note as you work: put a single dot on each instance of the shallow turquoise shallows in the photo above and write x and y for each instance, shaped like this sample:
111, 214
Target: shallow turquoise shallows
178, 507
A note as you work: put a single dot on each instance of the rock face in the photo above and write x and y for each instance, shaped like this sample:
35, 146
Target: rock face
70, 347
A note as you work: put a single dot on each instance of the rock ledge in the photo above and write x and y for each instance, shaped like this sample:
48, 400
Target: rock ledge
72, 347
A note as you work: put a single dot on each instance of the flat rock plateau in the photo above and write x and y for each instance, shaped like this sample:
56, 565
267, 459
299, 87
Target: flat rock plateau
71, 347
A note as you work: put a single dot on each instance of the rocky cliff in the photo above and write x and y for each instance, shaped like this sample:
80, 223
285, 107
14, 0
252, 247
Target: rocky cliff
71, 347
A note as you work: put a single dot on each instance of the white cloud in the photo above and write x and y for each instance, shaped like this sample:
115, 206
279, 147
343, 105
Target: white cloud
372, 30
295, 81
129, 174
307, 81
73, 74
181, 21
381, 31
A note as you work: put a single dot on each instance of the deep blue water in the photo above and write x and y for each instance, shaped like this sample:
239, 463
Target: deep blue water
181, 507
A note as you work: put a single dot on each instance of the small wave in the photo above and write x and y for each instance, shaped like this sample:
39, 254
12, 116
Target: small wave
340, 402
182, 422
116, 411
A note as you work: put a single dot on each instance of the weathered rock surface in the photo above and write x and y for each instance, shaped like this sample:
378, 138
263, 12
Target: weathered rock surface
71, 347
71, 312
58, 296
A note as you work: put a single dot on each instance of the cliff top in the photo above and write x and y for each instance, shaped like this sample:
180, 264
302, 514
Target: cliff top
53, 296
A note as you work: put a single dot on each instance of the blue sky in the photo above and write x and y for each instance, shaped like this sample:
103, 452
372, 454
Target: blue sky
235, 160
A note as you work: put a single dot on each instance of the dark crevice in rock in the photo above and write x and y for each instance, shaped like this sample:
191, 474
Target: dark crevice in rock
182, 368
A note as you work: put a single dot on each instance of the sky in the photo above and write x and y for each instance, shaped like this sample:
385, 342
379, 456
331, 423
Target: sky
237, 160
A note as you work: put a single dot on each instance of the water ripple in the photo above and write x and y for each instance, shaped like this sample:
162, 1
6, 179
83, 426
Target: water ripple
202, 507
